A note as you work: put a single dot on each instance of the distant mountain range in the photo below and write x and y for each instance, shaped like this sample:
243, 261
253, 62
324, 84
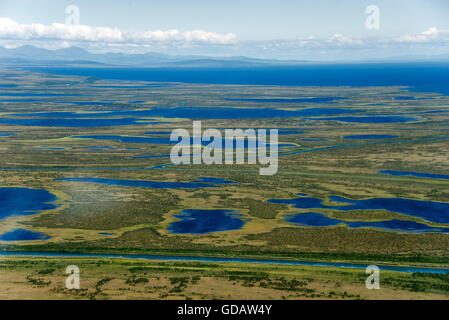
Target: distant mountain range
76, 56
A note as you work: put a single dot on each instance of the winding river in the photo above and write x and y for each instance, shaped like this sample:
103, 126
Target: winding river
234, 260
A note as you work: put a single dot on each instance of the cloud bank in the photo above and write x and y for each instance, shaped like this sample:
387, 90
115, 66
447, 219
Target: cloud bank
199, 42
428, 36
10, 29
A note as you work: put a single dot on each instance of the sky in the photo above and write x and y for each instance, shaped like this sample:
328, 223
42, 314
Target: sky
282, 29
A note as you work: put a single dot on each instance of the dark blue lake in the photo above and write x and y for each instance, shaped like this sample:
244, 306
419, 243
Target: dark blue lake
415, 174
370, 136
32, 94
84, 148
431, 211
201, 183
166, 140
153, 156
312, 139
196, 221
23, 235
398, 225
158, 132
198, 113
126, 139
24, 201
412, 98
48, 148
87, 103
215, 180
28, 100
287, 100
281, 132
143, 86
67, 122
428, 77
405, 98
312, 219
369, 119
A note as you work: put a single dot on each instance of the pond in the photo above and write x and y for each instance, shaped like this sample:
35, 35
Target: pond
437, 212
415, 174
199, 221
290, 100
32, 94
216, 180
24, 201
166, 140
75, 122
23, 235
370, 136
129, 139
312, 219
281, 132
369, 119
153, 156
313, 139
196, 113
200, 183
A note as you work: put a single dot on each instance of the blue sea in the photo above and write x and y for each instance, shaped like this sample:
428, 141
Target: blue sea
424, 77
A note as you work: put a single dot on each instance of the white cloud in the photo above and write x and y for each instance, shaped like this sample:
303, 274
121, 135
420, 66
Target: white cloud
10, 29
430, 31
340, 39
200, 42
430, 35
